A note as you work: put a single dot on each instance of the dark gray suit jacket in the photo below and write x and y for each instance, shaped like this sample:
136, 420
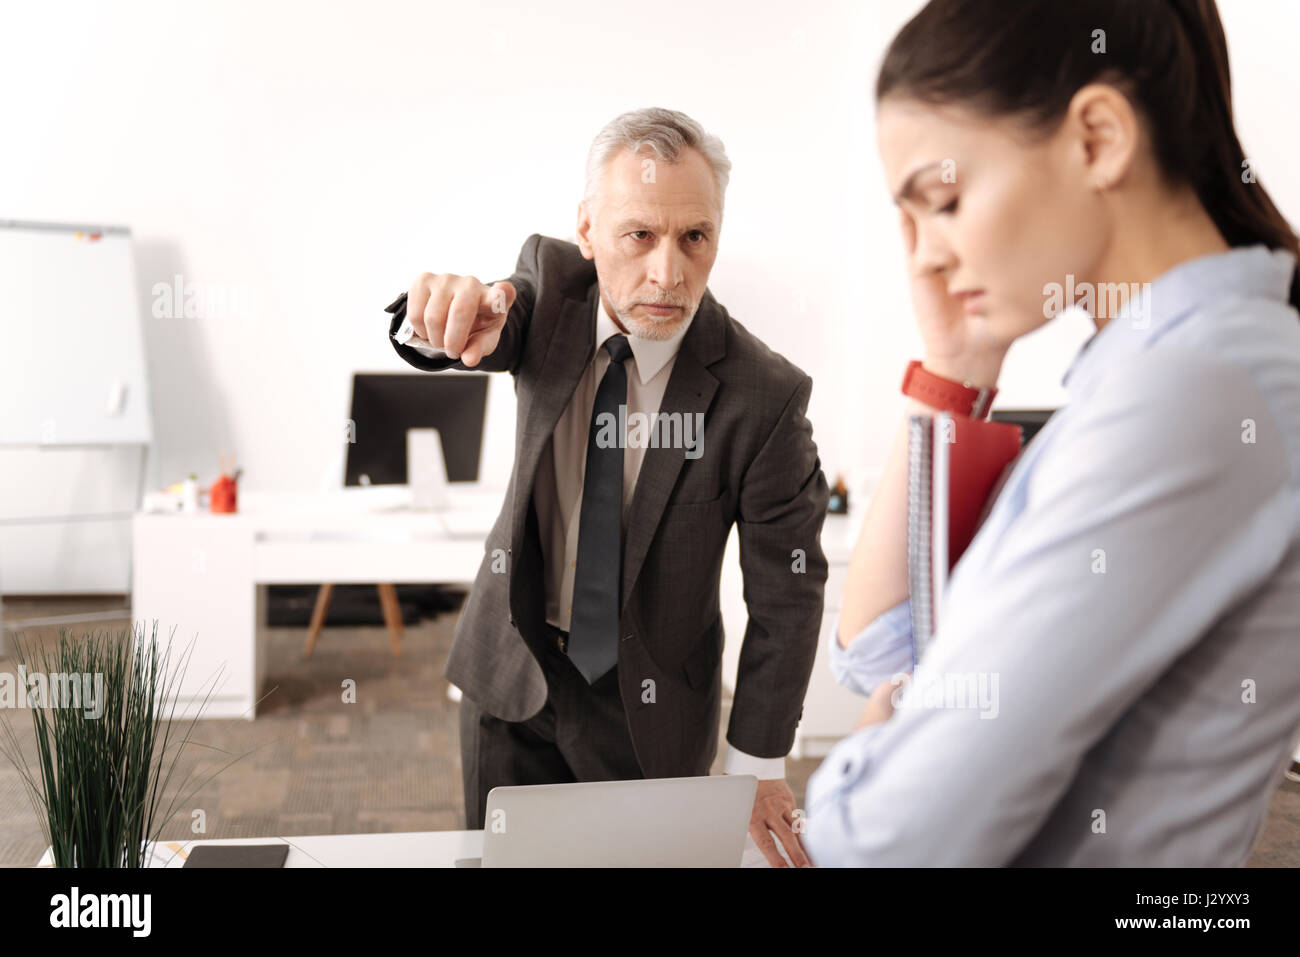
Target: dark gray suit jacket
759, 469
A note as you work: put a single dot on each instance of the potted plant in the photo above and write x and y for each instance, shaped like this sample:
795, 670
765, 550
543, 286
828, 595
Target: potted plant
107, 746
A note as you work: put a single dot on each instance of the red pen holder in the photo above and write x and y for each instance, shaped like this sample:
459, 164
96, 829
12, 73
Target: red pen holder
223, 496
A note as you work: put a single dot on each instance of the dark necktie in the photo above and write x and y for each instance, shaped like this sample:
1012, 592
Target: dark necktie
594, 623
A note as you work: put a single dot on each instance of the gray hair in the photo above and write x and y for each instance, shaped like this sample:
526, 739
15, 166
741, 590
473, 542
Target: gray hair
664, 132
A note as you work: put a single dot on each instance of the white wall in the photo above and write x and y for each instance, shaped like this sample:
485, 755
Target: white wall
320, 156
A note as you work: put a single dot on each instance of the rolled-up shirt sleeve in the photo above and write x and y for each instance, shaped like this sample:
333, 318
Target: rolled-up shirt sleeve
878, 652
1145, 522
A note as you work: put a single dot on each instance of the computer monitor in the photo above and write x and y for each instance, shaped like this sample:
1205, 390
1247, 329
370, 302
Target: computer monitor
385, 405
1029, 420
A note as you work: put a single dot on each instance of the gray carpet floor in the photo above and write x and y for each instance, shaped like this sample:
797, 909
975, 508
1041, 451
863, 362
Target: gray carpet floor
312, 764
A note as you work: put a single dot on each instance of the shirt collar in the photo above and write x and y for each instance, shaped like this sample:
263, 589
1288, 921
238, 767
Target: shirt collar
651, 355
1244, 271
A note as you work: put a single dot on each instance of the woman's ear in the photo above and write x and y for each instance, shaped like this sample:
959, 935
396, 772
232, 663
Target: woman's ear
1104, 125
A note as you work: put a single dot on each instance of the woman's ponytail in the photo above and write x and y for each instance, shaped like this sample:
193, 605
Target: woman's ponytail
1221, 174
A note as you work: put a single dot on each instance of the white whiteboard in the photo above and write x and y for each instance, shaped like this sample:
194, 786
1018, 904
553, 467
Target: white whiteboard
72, 369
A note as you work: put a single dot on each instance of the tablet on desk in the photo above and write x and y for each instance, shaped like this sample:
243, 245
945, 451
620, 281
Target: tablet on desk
238, 855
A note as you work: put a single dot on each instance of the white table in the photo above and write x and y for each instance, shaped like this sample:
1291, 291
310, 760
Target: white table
411, 849
205, 574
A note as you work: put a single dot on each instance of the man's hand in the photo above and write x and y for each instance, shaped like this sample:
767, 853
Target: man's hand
459, 314
775, 813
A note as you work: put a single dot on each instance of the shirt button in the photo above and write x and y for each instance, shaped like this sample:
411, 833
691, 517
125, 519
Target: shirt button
509, 550
512, 621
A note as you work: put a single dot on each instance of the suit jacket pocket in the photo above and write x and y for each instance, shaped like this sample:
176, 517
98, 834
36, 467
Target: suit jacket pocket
693, 511
678, 584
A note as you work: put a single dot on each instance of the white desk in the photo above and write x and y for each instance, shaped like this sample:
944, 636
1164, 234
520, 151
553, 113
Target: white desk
203, 574
412, 849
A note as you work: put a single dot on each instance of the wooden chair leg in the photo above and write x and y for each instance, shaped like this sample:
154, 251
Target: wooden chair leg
392, 616
318, 618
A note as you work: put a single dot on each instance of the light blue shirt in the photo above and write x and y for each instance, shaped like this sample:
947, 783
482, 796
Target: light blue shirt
1115, 678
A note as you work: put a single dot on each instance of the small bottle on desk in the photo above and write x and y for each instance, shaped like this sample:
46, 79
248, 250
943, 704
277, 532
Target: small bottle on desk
839, 501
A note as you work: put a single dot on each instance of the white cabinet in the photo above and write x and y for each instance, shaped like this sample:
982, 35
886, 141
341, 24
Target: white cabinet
193, 576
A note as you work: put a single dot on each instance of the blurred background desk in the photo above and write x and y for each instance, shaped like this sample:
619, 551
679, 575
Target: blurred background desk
204, 574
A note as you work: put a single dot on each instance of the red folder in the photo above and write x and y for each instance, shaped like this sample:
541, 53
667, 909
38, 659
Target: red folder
955, 464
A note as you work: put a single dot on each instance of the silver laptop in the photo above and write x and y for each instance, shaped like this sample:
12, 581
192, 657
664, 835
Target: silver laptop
658, 822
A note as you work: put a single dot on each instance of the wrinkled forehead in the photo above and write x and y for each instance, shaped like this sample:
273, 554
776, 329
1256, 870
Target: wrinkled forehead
663, 195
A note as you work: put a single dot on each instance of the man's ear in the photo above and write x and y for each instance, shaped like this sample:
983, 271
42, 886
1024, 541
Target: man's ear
1107, 130
584, 232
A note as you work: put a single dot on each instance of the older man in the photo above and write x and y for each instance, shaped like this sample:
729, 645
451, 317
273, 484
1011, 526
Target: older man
590, 646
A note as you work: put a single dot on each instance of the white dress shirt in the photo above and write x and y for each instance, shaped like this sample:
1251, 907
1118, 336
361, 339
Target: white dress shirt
557, 489
1115, 679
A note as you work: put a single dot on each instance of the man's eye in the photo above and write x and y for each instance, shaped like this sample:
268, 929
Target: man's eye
950, 208
640, 233
699, 237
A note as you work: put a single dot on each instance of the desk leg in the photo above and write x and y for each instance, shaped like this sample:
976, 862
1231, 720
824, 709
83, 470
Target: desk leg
318, 615
392, 609
260, 596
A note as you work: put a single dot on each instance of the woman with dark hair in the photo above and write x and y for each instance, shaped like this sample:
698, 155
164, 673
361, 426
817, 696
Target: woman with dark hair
1115, 678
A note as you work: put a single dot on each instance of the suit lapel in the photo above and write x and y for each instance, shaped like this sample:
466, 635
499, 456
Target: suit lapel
567, 356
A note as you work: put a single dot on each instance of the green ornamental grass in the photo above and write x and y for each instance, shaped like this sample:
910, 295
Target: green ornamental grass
100, 780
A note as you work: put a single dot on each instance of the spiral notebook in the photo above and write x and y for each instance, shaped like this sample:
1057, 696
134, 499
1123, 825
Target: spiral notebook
955, 465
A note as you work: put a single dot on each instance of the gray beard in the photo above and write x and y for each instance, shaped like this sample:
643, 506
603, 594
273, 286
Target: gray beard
648, 328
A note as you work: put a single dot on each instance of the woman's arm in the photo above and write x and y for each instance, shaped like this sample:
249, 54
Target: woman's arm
1043, 649
877, 575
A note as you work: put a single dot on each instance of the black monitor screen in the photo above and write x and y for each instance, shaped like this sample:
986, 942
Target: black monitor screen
385, 405
1029, 420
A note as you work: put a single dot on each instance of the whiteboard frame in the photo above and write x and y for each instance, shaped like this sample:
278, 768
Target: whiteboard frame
142, 445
